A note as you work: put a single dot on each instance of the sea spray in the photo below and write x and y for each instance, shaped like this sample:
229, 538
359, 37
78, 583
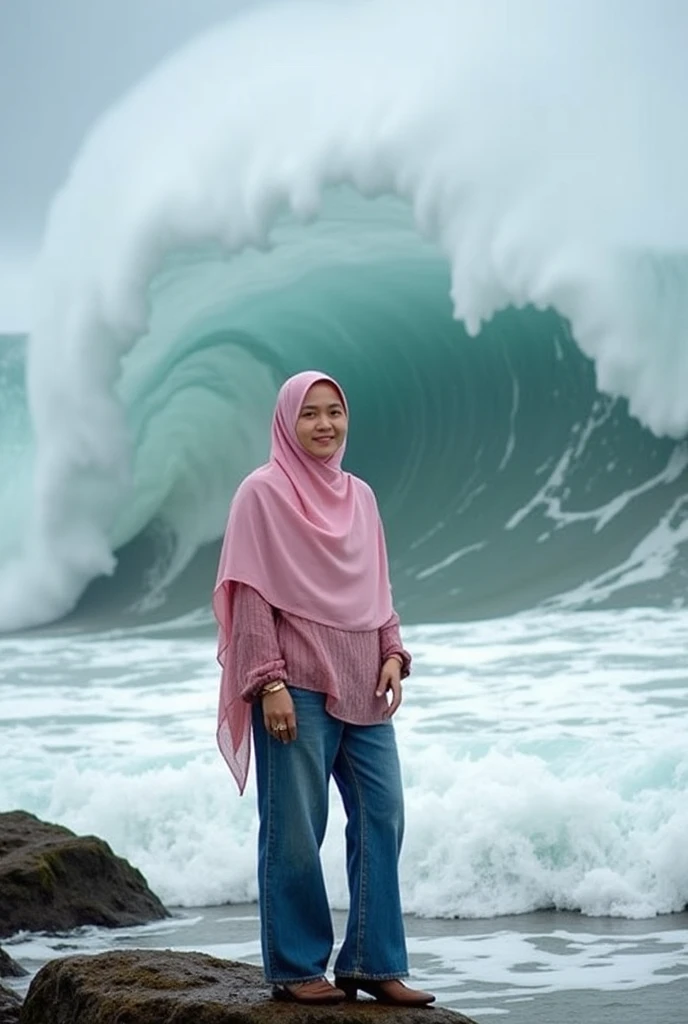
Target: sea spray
539, 155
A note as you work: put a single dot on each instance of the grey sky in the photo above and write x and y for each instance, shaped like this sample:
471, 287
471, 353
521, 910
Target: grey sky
61, 63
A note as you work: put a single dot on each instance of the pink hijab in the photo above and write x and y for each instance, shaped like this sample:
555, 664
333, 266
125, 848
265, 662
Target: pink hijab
308, 537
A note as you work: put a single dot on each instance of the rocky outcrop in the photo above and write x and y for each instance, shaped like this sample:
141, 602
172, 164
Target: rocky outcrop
9, 968
149, 986
10, 1006
54, 880
10, 1002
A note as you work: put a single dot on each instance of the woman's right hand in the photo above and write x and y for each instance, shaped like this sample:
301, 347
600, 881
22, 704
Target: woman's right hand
279, 715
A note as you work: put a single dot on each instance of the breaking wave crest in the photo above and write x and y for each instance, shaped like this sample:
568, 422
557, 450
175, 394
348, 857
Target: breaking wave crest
480, 227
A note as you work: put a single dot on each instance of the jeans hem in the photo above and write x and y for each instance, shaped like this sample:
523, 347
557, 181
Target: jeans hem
360, 976
294, 981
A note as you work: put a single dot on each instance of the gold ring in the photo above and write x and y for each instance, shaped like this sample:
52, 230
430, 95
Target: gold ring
279, 728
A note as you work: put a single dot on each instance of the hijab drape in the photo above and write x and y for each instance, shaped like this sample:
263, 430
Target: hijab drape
308, 537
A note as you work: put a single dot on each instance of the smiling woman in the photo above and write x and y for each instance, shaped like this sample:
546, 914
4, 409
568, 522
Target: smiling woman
322, 424
307, 634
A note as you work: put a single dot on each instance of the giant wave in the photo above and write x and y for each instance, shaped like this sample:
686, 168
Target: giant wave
479, 225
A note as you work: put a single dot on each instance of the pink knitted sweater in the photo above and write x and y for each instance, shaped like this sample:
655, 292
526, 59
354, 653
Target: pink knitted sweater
268, 644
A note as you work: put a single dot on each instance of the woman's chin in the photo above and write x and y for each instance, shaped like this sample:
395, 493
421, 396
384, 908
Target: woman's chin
323, 451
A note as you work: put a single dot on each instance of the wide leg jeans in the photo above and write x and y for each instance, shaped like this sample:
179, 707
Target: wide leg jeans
293, 786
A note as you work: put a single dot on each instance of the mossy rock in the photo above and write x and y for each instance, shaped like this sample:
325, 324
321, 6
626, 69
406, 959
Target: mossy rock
148, 986
10, 1006
9, 968
53, 880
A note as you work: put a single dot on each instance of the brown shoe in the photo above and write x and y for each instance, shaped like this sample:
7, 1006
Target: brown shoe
391, 992
313, 993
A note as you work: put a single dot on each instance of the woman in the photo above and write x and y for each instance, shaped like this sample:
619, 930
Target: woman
310, 650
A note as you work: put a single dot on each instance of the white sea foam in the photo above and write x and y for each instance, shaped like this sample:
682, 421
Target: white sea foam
544, 759
487, 968
539, 153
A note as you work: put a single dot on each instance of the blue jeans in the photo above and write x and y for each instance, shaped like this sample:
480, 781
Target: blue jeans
293, 783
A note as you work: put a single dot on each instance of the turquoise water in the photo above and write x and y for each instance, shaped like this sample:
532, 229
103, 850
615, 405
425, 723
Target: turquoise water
506, 480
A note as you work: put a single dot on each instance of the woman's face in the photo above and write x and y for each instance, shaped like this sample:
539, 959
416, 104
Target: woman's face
322, 423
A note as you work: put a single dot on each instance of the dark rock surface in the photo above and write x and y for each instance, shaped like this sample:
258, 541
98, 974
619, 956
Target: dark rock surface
9, 968
164, 987
54, 880
10, 1006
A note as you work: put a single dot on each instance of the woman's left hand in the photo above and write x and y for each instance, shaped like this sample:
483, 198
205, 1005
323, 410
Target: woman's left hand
390, 680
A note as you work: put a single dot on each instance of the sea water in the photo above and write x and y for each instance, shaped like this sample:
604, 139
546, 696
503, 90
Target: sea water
545, 767
474, 216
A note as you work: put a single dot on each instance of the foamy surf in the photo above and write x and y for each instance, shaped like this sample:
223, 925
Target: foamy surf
544, 760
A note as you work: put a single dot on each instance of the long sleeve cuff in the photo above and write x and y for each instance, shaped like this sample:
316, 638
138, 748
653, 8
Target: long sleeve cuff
391, 645
257, 678
257, 656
